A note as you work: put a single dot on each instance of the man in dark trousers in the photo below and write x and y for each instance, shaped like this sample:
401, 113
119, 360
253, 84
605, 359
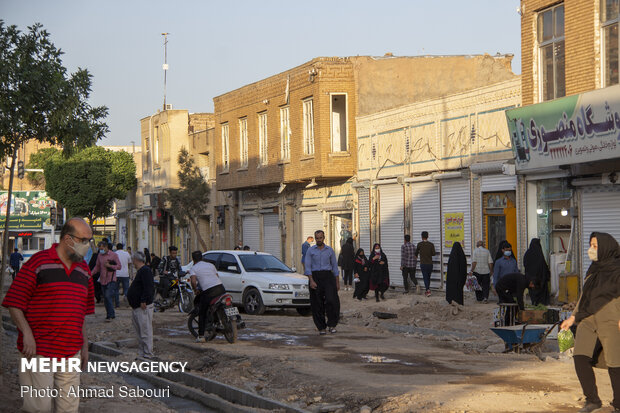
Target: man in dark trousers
140, 298
426, 251
408, 262
513, 285
322, 271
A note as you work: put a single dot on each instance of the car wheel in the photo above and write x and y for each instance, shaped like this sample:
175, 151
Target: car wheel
253, 302
304, 311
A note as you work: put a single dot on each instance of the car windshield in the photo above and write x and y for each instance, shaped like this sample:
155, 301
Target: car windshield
262, 263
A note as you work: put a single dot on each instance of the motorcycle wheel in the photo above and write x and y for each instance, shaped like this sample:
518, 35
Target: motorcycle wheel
230, 328
188, 302
192, 324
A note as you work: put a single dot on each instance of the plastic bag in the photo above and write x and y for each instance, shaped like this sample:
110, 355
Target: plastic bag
472, 283
566, 340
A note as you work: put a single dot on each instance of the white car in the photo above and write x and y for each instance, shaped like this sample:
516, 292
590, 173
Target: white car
257, 280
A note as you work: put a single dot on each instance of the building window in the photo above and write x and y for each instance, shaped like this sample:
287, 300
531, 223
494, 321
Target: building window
243, 142
285, 135
339, 123
262, 138
308, 114
225, 148
610, 9
551, 52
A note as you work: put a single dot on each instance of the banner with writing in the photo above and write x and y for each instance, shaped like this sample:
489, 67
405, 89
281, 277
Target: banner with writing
569, 130
28, 209
454, 226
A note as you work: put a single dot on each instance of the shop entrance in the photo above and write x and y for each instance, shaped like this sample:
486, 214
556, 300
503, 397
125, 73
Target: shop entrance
341, 230
500, 220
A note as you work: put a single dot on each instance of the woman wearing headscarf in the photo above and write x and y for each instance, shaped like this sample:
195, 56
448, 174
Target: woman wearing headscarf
597, 315
379, 272
347, 258
537, 270
457, 274
361, 274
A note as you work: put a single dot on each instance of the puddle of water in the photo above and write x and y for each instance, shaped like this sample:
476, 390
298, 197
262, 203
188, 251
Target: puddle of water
173, 402
368, 358
176, 331
284, 338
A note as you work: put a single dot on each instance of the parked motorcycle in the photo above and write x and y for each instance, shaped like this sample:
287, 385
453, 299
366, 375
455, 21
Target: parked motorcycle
223, 318
173, 291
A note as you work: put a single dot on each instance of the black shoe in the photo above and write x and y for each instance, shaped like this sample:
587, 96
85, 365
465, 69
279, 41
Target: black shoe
377, 299
382, 296
590, 407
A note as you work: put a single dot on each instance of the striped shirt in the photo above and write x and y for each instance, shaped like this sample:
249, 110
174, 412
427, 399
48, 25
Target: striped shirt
407, 255
54, 300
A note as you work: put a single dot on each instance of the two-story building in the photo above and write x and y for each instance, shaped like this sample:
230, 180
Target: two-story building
285, 150
566, 136
441, 160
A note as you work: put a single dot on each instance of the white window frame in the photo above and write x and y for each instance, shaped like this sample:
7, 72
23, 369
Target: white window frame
541, 45
225, 148
604, 25
263, 154
285, 134
243, 142
331, 120
308, 125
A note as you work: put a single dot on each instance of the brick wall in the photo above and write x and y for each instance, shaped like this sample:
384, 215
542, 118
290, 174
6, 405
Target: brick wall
582, 46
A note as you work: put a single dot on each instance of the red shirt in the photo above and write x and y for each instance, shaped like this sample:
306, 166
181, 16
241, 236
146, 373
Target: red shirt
54, 300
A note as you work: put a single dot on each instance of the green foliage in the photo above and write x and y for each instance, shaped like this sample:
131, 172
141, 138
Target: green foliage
87, 181
38, 99
188, 202
37, 161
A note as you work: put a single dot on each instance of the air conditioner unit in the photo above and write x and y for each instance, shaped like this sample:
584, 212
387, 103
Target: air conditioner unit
168, 106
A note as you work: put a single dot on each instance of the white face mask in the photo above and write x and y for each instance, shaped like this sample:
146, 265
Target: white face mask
593, 253
378, 251
80, 249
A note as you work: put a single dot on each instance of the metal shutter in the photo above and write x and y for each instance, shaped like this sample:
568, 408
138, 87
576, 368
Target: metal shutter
251, 232
272, 240
311, 221
363, 205
425, 216
497, 183
455, 198
391, 219
600, 211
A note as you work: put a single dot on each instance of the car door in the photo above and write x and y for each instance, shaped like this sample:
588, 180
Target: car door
231, 278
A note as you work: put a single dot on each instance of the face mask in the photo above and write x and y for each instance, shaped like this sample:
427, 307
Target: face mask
101, 251
593, 253
507, 253
80, 249
378, 251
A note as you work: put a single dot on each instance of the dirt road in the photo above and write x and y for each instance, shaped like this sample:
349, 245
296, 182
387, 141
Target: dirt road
424, 360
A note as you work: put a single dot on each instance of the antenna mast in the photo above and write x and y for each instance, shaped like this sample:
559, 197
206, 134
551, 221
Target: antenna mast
165, 66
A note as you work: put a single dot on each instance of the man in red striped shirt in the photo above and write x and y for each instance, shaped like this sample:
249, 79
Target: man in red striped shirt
51, 295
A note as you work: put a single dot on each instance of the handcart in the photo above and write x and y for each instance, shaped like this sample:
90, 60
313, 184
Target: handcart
524, 338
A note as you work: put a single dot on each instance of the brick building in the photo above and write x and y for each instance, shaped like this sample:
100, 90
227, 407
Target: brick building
565, 137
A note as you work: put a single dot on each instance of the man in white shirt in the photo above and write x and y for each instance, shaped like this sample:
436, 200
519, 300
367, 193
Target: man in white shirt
482, 268
122, 275
204, 275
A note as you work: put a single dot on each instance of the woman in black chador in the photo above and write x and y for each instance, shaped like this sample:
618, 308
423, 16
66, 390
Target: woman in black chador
457, 274
379, 272
537, 270
361, 274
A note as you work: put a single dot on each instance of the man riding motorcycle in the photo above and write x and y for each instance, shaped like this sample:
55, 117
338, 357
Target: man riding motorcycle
204, 275
169, 268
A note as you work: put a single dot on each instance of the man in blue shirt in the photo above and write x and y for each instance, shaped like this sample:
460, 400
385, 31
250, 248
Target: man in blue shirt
14, 261
505, 265
321, 267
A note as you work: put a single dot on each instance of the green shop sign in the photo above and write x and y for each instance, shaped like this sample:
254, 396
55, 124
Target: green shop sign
565, 131
28, 209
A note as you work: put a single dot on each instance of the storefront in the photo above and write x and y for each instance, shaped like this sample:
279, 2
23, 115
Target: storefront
392, 226
568, 149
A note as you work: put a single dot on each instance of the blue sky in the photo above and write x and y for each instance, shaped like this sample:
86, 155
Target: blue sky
215, 47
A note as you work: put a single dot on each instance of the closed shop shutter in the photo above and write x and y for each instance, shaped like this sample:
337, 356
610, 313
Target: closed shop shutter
363, 205
391, 227
455, 199
272, 240
251, 232
425, 216
311, 221
600, 211
497, 183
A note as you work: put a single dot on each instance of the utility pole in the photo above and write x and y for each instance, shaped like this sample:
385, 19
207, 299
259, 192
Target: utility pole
165, 66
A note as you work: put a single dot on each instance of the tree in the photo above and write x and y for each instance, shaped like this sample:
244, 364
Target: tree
40, 101
189, 201
87, 181
37, 161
